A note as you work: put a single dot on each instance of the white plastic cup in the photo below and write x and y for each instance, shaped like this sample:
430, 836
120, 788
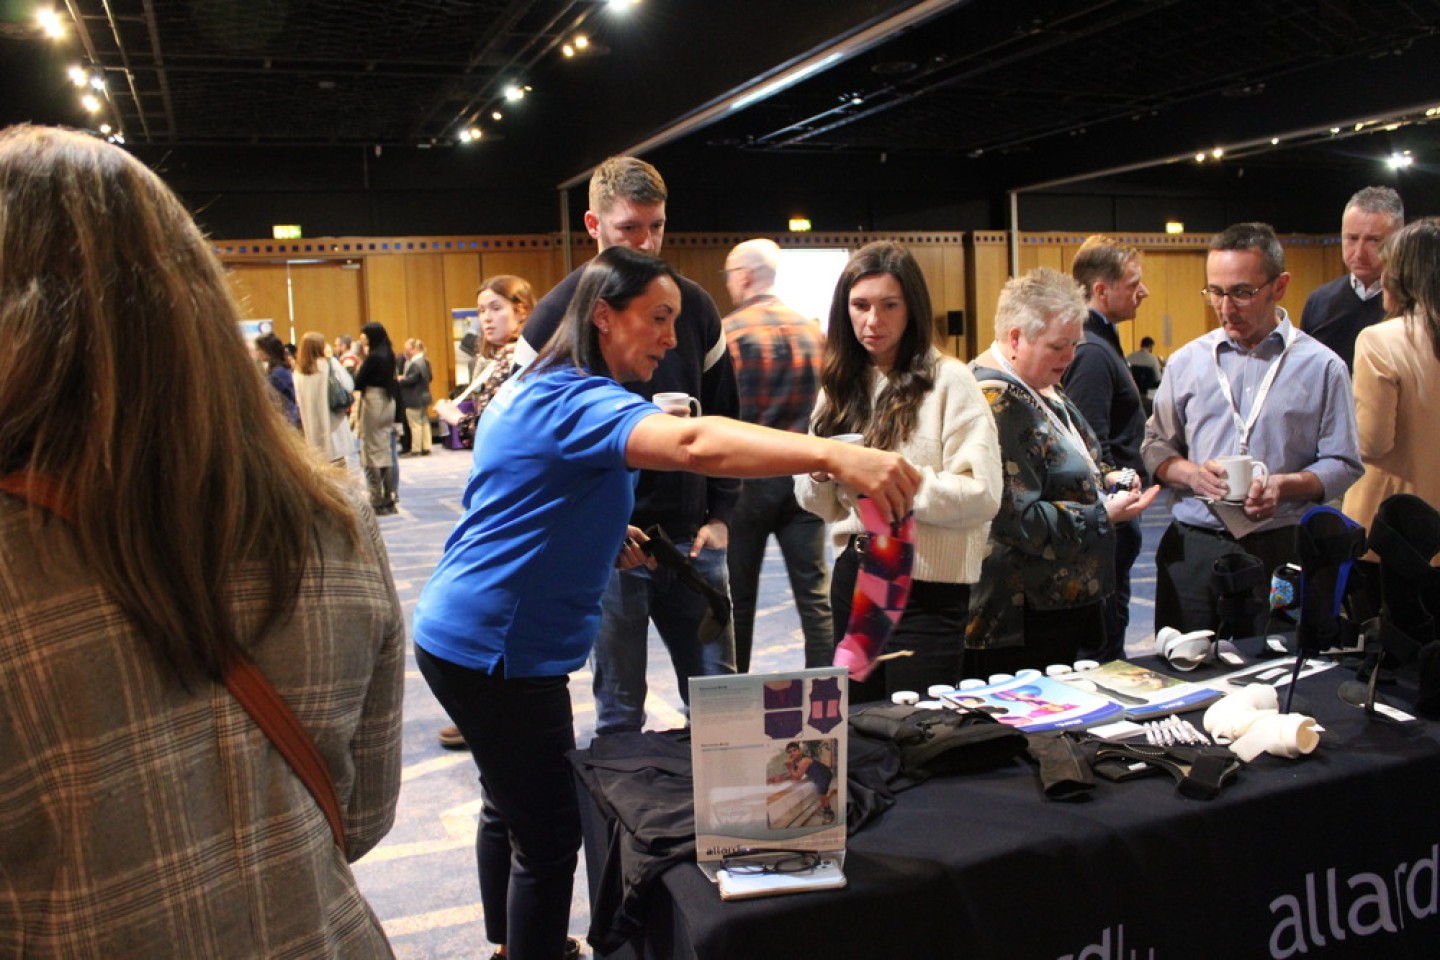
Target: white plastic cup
677, 404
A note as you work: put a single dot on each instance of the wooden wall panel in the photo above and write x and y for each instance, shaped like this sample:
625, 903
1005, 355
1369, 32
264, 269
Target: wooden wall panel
328, 297
385, 292
1174, 313
428, 317
539, 266
410, 284
1310, 265
261, 290
988, 269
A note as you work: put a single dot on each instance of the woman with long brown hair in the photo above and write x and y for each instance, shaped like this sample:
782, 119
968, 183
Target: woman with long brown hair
160, 539
885, 379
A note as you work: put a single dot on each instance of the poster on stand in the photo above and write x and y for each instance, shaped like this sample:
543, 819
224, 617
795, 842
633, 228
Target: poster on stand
769, 758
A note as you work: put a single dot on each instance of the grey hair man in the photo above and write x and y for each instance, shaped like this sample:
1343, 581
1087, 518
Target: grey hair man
1336, 312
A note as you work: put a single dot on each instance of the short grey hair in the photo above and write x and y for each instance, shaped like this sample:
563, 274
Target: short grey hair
1379, 200
1037, 300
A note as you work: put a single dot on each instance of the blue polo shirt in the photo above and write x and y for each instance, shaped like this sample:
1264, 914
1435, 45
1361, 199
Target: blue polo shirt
518, 588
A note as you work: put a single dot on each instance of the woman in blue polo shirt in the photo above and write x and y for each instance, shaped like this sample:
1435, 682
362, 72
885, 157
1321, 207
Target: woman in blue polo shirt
514, 604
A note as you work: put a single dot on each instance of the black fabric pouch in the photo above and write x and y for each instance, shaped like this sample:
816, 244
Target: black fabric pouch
935, 743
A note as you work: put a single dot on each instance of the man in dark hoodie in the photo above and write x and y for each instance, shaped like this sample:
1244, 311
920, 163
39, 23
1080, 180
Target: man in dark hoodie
627, 208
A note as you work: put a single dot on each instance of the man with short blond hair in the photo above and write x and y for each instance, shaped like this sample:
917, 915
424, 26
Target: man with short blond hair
1099, 383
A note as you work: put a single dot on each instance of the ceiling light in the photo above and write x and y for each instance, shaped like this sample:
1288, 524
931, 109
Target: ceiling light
104, 128
514, 93
1218, 152
1274, 141
581, 41
1200, 157
1174, 226
568, 50
90, 103
799, 225
1334, 129
97, 82
623, 5
50, 23
1398, 160
496, 115
794, 76
78, 76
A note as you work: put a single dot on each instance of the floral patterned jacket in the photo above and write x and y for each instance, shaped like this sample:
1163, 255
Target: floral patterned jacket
1051, 544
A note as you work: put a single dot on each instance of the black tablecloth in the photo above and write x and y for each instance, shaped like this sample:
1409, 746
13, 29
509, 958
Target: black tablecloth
1333, 855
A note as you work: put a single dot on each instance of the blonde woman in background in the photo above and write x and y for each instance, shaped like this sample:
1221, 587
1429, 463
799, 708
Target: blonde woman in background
328, 431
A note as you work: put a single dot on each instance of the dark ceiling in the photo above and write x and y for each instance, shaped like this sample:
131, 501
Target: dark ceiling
1011, 92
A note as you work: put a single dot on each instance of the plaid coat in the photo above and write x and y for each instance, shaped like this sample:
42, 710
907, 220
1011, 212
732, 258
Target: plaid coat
142, 819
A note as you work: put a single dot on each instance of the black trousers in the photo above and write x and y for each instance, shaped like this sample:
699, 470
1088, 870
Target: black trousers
1185, 561
932, 629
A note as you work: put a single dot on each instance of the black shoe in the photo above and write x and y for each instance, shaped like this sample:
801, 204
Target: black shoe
572, 950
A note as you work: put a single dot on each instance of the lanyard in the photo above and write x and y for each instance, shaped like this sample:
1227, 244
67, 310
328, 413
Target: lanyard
1066, 427
1245, 426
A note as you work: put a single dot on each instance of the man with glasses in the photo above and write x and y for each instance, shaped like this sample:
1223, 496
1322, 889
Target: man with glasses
1256, 386
1336, 312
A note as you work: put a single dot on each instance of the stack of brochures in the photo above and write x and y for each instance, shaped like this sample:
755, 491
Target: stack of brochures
1034, 702
1143, 693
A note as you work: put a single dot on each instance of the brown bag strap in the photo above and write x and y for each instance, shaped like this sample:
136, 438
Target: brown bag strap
271, 714
244, 680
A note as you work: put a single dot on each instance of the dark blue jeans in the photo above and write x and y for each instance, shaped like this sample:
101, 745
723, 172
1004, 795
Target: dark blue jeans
519, 732
632, 600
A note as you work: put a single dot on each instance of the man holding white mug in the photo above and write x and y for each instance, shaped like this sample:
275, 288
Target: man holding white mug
1256, 388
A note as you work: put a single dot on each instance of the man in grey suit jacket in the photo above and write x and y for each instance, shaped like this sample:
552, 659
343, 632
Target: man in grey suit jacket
415, 395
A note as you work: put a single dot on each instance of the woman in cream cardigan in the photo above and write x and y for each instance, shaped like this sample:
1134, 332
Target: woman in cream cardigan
1397, 377
884, 378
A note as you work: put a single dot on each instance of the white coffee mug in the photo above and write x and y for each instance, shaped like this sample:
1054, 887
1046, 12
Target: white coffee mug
1240, 471
677, 404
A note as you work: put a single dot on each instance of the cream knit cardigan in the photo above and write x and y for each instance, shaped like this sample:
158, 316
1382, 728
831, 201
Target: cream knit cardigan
954, 446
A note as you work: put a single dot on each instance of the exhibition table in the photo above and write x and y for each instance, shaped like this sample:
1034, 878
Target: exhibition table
1336, 854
